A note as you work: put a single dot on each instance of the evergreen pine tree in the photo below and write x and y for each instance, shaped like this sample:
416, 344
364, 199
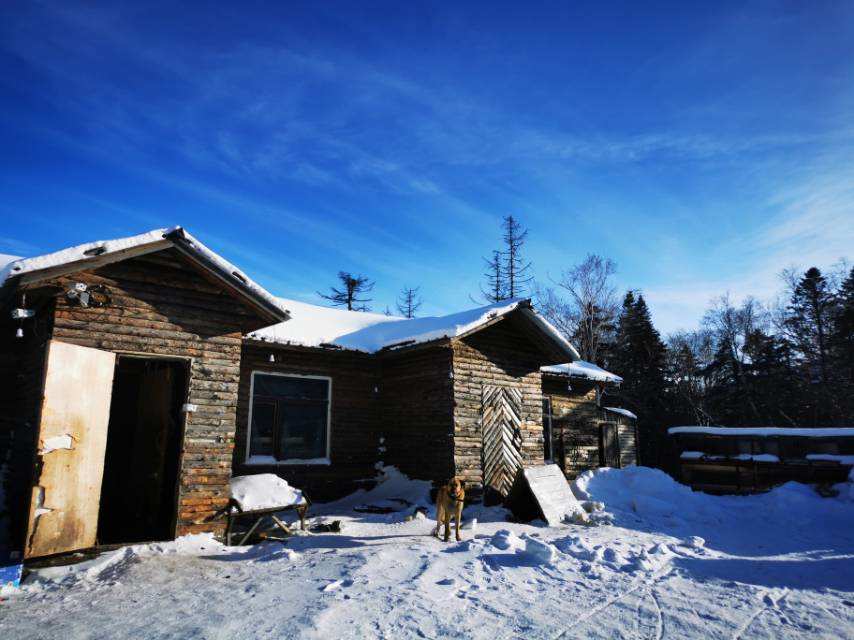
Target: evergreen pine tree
516, 269
638, 356
408, 302
496, 288
352, 287
808, 322
842, 346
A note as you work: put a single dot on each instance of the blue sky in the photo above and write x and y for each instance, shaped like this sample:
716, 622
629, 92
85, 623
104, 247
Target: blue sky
703, 147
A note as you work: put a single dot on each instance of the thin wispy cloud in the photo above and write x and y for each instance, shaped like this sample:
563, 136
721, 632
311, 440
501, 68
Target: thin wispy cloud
365, 151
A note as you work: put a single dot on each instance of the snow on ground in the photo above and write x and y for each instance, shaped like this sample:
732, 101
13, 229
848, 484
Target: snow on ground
674, 564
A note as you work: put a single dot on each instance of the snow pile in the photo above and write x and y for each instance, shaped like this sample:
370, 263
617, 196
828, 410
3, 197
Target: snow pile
652, 495
392, 488
264, 491
526, 549
582, 369
506, 540
540, 552
108, 567
639, 489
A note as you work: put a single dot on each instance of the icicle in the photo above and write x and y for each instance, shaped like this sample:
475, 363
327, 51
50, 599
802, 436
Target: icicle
19, 333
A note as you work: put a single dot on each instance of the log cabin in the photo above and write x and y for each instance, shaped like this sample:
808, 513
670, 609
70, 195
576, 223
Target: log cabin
145, 372
119, 364
329, 394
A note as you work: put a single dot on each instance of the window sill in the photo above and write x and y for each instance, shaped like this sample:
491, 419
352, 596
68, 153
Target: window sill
270, 461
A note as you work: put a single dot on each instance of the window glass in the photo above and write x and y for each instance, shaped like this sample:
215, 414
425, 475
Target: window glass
261, 432
302, 429
291, 388
289, 417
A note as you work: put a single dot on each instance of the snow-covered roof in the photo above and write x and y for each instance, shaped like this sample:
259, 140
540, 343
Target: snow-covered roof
94, 254
311, 326
582, 369
810, 432
622, 412
6, 261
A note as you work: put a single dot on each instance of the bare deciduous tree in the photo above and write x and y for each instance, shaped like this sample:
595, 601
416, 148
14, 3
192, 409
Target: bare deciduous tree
688, 355
587, 314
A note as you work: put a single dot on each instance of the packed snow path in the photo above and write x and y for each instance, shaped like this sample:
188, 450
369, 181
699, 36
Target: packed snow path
673, 565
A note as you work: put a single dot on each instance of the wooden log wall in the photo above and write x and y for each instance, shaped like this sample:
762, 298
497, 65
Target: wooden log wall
417, 412
355, 423
161, 306
576, 417
497, 355
22, 362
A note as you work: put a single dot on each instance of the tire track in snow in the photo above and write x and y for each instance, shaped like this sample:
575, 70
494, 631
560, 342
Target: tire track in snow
769, 604
652, 579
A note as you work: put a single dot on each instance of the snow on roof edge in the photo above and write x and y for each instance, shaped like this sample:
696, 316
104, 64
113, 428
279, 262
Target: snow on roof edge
177, 236
622, 412
316, 326
810, 432
582, 369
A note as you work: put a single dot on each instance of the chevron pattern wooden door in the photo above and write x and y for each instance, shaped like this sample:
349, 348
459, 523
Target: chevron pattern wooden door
501, 418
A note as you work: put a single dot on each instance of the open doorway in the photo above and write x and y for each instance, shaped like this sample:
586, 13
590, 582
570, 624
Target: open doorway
139, 490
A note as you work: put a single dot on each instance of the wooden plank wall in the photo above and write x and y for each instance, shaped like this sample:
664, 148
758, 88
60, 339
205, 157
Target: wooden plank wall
497, 355
160, 306
355, 422
628, 436
417, 412
576, 417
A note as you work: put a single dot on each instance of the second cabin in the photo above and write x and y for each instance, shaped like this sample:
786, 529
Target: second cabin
145, 372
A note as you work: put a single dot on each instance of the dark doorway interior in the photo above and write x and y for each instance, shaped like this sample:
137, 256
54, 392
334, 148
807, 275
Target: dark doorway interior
138, 493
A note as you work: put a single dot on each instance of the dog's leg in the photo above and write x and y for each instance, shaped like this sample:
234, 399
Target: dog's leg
439, 517
459, 516
447, 525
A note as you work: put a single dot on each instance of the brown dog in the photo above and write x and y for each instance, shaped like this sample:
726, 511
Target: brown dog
449, 503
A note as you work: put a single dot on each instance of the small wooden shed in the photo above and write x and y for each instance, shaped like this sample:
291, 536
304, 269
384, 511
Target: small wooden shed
120, 362
753, 459
583, 433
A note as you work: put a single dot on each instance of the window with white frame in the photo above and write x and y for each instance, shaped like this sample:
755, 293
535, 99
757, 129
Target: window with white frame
289, 419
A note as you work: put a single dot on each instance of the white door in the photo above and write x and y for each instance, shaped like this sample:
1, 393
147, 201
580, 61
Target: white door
72, 439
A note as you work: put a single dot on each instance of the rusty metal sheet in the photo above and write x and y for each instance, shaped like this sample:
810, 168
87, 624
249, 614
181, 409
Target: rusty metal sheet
72, 441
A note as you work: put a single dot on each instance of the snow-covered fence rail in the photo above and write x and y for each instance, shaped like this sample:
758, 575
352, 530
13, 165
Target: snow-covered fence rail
747, 460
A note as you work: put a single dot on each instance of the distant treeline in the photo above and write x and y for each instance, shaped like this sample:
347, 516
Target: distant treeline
790, 363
